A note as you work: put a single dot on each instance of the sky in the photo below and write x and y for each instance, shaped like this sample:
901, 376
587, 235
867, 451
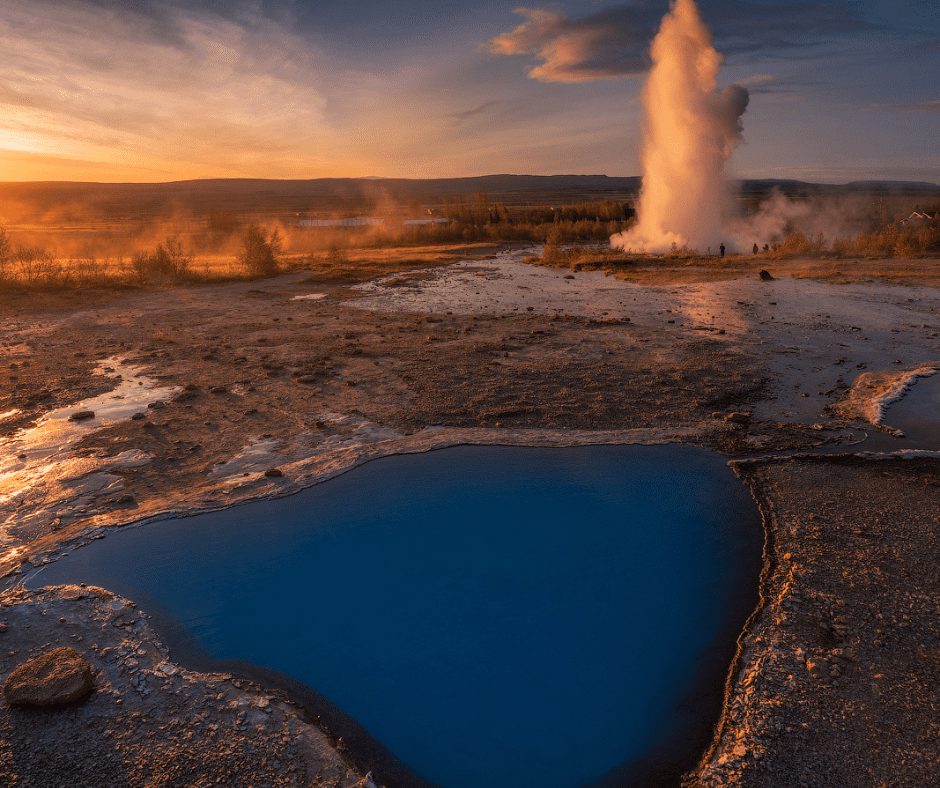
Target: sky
165, 90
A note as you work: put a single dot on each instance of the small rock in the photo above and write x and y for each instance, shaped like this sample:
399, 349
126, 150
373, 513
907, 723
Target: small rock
274, 472
307, 379
82, 415
138, 417
816, 668
738, 418
219, 390
765, 276
60, 676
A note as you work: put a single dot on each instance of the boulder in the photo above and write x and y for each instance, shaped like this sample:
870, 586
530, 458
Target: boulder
273, 472
82, 415
765, 276
59, 676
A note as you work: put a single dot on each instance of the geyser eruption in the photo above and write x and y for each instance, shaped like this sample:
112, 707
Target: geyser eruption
691, 131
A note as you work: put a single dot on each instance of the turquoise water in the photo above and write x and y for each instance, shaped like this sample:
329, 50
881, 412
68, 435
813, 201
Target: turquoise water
495, 616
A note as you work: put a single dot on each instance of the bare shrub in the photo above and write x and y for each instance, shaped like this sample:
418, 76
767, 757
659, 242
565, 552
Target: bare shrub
167, 260
36, 266
86, 271
260, 250
551, 251
337, 256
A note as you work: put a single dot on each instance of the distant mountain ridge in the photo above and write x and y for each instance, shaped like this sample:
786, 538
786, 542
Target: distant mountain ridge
68, 201
370, 185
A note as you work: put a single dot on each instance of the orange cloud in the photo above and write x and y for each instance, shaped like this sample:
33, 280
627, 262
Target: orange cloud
598, 47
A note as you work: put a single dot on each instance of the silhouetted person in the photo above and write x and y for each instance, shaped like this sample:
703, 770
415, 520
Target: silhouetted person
755, 248
721, 250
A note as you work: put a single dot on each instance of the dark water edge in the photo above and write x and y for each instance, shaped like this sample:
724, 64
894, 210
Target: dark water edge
359, 748
917, 414
659, 766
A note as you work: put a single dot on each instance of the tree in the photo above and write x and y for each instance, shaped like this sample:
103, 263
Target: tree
260, 250
6, 252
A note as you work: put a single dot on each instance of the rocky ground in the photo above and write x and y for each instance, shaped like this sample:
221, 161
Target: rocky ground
147, 722
838, 677
250, 389
252, 379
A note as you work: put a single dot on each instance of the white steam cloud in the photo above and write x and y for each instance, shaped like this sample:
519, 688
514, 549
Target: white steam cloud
691, 132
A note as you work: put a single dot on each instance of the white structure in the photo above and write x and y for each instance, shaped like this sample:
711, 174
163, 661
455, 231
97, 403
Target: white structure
916, 219
358, 221
416, 222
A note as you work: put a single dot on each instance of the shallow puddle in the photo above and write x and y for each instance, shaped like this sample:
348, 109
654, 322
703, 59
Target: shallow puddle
495, 616
917, 414
37, 461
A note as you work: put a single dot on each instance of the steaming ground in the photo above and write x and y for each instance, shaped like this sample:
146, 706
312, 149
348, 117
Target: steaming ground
252, 377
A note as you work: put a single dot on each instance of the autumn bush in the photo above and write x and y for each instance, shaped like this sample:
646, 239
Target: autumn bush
260, 250
168, 260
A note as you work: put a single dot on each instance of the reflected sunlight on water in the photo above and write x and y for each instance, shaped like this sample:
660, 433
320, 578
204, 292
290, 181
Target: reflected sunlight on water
37, 462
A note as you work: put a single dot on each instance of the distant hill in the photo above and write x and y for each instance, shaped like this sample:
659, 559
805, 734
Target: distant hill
795, 188
69, 203
62, 201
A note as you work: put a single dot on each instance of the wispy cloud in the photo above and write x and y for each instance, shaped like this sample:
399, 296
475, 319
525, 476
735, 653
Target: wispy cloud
613, 42
469, 113
197, 87
921, 106
607, 44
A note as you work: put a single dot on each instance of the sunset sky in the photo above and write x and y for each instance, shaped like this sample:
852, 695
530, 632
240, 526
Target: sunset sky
154, 90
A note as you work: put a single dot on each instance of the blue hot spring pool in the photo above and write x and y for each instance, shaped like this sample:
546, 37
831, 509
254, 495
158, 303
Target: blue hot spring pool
494, 616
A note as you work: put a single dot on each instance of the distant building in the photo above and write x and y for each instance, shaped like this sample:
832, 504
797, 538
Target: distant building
415, 222
916, 220
358, 221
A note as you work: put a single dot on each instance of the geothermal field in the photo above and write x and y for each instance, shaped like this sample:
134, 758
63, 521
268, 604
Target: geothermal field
570, 481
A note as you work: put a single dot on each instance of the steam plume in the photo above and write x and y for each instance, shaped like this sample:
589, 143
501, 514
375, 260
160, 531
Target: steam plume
691, 131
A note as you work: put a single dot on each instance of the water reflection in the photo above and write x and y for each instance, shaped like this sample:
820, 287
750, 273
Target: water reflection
36, 463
